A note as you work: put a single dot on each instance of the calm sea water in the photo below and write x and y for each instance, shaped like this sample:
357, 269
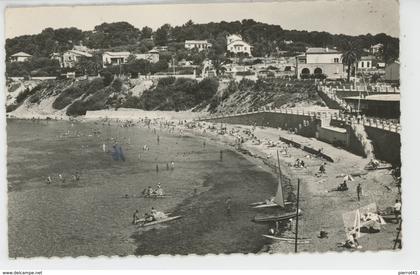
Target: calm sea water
92, 217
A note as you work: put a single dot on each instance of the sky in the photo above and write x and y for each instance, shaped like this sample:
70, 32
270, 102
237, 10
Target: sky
351, 17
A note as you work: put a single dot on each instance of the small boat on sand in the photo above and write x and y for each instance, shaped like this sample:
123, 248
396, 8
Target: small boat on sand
288, 240
265, 204
143, 223
276, 218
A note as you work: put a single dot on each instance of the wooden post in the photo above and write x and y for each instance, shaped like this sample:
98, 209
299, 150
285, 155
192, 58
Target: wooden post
297, 216
397, 239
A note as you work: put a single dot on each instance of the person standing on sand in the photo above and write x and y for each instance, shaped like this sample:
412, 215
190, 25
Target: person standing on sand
221, 155
136, 217
397, 209
228, 204
157, 139
322, 168
49, 180
157, 168
359, 191
104, 147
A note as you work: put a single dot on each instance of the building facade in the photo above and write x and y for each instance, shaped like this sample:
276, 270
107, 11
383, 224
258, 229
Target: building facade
152, 57
375, 49
20, 57
117, 58
365, 63
200, 45
72, 57
392, 71
319, 61
114, 58
235, 44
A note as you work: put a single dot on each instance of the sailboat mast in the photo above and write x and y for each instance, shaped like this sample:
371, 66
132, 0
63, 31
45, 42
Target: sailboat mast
297, 217
279, 196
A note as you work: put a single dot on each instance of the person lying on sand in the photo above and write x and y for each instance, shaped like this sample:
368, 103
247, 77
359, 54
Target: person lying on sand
342, 187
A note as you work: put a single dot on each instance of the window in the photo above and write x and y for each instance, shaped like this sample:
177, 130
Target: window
336, 60
363, 64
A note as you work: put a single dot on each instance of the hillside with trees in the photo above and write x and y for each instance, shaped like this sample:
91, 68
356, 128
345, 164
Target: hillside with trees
266, 39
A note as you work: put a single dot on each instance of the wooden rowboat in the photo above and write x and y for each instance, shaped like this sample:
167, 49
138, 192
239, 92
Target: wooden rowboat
276, 218
288, 240
144, 224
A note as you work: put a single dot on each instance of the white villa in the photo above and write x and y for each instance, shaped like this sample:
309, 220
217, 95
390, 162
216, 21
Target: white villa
197, 44
150, 56
235, 44
72, 57
318, 61
114, 58
20, 57
365, 63
374, 49
117, 58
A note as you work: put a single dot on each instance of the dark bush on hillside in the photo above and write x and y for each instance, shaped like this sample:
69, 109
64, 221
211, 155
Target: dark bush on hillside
11, 108
107, 77
94, 86
178, 94
26, 93
35, 98
76, 109
66, 97
245, 73
96, 101
166, 81
117, 85
132, 102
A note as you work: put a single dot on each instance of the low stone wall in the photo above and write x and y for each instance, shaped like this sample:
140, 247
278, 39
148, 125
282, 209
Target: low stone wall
386, 141
386, 144
333, 136
304, 125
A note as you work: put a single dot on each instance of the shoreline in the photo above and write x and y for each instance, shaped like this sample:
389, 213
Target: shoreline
313, 190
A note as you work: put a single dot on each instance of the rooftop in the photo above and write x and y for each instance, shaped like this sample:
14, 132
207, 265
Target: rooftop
369, 57
320, 50
196, 41
22, 54
80, 53
117, 53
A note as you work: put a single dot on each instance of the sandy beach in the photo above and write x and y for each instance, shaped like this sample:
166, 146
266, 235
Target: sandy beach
322, 210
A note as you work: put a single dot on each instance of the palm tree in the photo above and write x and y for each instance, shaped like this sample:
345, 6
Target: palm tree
350, 55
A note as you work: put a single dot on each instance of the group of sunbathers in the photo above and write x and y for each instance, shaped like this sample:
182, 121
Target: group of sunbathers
299, 164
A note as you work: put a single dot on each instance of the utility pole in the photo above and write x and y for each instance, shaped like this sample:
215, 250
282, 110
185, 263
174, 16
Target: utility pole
297, 217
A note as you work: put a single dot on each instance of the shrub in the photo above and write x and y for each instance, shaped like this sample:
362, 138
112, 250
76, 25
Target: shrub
76, 109
66, 97
35, 98
26, 93
11, 108
107, 77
